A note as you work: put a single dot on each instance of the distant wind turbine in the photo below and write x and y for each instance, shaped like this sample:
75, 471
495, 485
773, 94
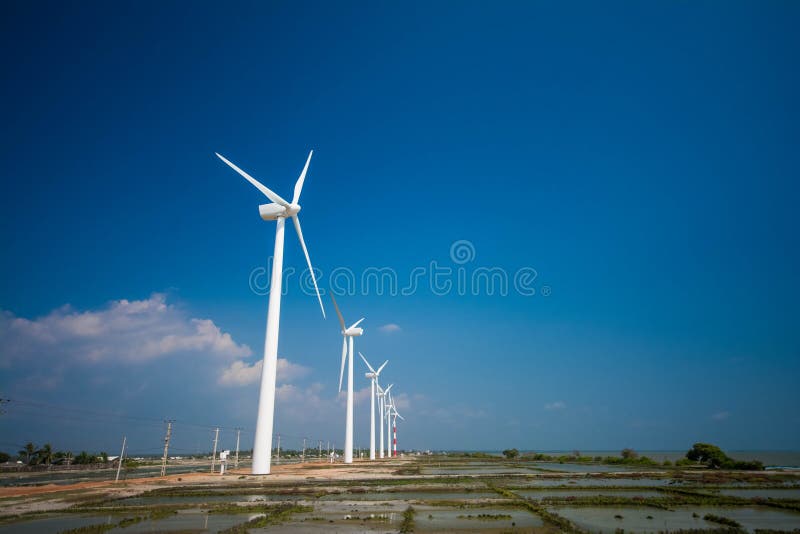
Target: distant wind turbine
278, 210
347, 336
373, 378
383, 395
395, 415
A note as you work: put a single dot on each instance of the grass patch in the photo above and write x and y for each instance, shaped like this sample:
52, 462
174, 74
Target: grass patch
721, 520
407, 525
486, 517
128, 521
90, 529
274, 515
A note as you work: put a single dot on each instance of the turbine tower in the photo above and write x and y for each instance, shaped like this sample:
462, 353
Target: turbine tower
277, 210
347, 339
373, 378
384, 396
388, 410
395, 415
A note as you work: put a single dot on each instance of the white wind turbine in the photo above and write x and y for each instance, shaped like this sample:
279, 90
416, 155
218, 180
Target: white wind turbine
373, 378
347, 335
278, 210
383, 395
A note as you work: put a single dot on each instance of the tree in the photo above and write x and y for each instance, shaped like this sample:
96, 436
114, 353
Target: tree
511, 453
4, 457
45, 454
104, 457
84, 458
708, 454
715, 458
28, 452
629, 454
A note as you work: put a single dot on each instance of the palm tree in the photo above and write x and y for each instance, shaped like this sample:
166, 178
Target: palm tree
28, 452
45, 454
84, 458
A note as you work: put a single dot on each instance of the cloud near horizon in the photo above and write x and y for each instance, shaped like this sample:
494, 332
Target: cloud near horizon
240, 373
124, 331
555, 405
390, 328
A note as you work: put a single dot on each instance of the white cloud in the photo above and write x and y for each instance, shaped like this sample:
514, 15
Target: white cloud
389, 328
720, 416
240, 373
124, 331
555, 405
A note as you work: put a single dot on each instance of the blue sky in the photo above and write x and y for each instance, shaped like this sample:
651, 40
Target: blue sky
641, 157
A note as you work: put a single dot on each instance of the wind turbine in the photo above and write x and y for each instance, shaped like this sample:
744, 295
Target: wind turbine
383, 394
395, 415
347, 336
278, 210
373, 378
389, 407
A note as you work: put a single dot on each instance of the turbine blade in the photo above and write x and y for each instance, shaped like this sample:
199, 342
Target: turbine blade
341, 319
261, 187
298, 187
386, 391
296, 221
381, 367
355, 324
344, 356
400, 416
368, 365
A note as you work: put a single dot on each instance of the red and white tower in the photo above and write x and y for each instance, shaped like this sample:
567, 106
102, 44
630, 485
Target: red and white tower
394, 437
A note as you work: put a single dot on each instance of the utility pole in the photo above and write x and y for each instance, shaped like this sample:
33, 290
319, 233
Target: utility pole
329, 447
166, 448
214, 454
278, 459
320, 449
304, 451
121, 456
236, 458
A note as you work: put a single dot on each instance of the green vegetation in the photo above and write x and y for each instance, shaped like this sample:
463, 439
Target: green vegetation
274, 515
510, 454
410, 470
486, 517
280, 508
128, 521
713, 457
629, 454
90, 529
722, 520
4, 457
407, 524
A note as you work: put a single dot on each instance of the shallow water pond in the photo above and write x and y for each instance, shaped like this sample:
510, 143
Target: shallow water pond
770, 493
645, 519
755, 517
581, 482
469, 471
560, 494
586, 468
411, 496
448, 520
56, 523
193, 521
211, 499
638, 519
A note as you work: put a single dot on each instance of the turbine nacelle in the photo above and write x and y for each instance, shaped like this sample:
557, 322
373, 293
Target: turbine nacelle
353, 332
271, 211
